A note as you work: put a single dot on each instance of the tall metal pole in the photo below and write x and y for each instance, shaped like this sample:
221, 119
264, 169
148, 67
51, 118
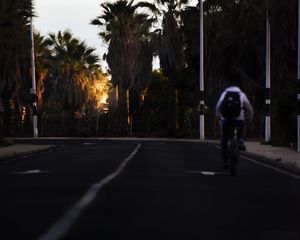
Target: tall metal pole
268, 79
298, 76
202, 105
33, 89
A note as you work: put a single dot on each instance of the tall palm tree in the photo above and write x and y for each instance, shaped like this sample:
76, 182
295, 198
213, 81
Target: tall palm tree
283, 20
14, 46
127, 34
172, 57
71, 63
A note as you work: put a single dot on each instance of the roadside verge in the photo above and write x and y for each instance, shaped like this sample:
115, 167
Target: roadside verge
17, 150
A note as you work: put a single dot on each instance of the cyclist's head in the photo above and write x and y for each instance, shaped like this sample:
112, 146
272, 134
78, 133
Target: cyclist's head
234, 82
233, 77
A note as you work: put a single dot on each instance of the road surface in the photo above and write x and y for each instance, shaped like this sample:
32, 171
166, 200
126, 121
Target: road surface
105, 189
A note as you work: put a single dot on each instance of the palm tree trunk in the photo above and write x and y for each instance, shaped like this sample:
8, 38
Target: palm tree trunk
129, 112
172, 110
176, 108
123, 111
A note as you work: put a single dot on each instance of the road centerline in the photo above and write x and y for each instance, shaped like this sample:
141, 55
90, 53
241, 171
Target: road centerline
60, 227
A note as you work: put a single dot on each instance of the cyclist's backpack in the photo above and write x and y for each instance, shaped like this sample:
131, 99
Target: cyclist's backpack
231, 105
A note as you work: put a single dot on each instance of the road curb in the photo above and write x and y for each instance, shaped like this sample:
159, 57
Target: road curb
267, 160
273, 162
19, 154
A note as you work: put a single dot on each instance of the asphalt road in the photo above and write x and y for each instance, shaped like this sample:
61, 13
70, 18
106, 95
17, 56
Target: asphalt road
90, 189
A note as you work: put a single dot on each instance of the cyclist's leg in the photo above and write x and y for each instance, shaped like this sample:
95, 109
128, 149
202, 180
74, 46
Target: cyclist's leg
225, 128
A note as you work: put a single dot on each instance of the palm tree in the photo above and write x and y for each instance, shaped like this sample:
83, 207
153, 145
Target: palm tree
283, 19
42, 60
172, 57
14, 46
71, 62
127, 33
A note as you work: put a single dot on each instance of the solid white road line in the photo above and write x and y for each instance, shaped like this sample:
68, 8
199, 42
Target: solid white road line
60, 228
272, 167
267, 165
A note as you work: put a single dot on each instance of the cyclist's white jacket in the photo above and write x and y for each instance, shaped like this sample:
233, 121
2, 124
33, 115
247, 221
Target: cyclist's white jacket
246, 106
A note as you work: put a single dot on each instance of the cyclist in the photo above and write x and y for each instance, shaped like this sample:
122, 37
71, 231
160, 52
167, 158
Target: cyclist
232, 113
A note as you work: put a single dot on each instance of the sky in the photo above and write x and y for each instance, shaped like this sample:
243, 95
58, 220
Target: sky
74, 15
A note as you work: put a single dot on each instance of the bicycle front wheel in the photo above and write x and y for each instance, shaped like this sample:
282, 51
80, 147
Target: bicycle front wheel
233, 157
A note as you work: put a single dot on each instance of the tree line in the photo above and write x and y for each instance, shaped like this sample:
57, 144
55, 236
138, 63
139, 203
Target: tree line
70, 84
143, 102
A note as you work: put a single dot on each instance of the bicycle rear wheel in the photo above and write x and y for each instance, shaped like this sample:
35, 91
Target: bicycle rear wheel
233, 156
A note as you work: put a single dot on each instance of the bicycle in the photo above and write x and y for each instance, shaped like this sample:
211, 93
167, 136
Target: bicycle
233, 149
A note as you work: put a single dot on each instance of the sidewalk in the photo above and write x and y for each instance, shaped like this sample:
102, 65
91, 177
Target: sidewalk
278, 156
17, 150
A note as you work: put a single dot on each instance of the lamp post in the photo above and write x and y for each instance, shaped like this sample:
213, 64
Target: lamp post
268, 79
33, 89
298, 77
202, 105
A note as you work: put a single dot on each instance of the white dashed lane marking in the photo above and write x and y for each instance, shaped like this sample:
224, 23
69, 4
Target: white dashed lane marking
36, 171
206, 173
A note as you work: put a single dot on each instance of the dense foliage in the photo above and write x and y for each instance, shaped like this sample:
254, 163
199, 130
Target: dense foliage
71, 86
129, 54
235, 42
164, 102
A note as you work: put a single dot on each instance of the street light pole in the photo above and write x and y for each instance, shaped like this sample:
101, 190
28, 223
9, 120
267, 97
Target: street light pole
298, 77
268, 79
33, 89
202, 105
